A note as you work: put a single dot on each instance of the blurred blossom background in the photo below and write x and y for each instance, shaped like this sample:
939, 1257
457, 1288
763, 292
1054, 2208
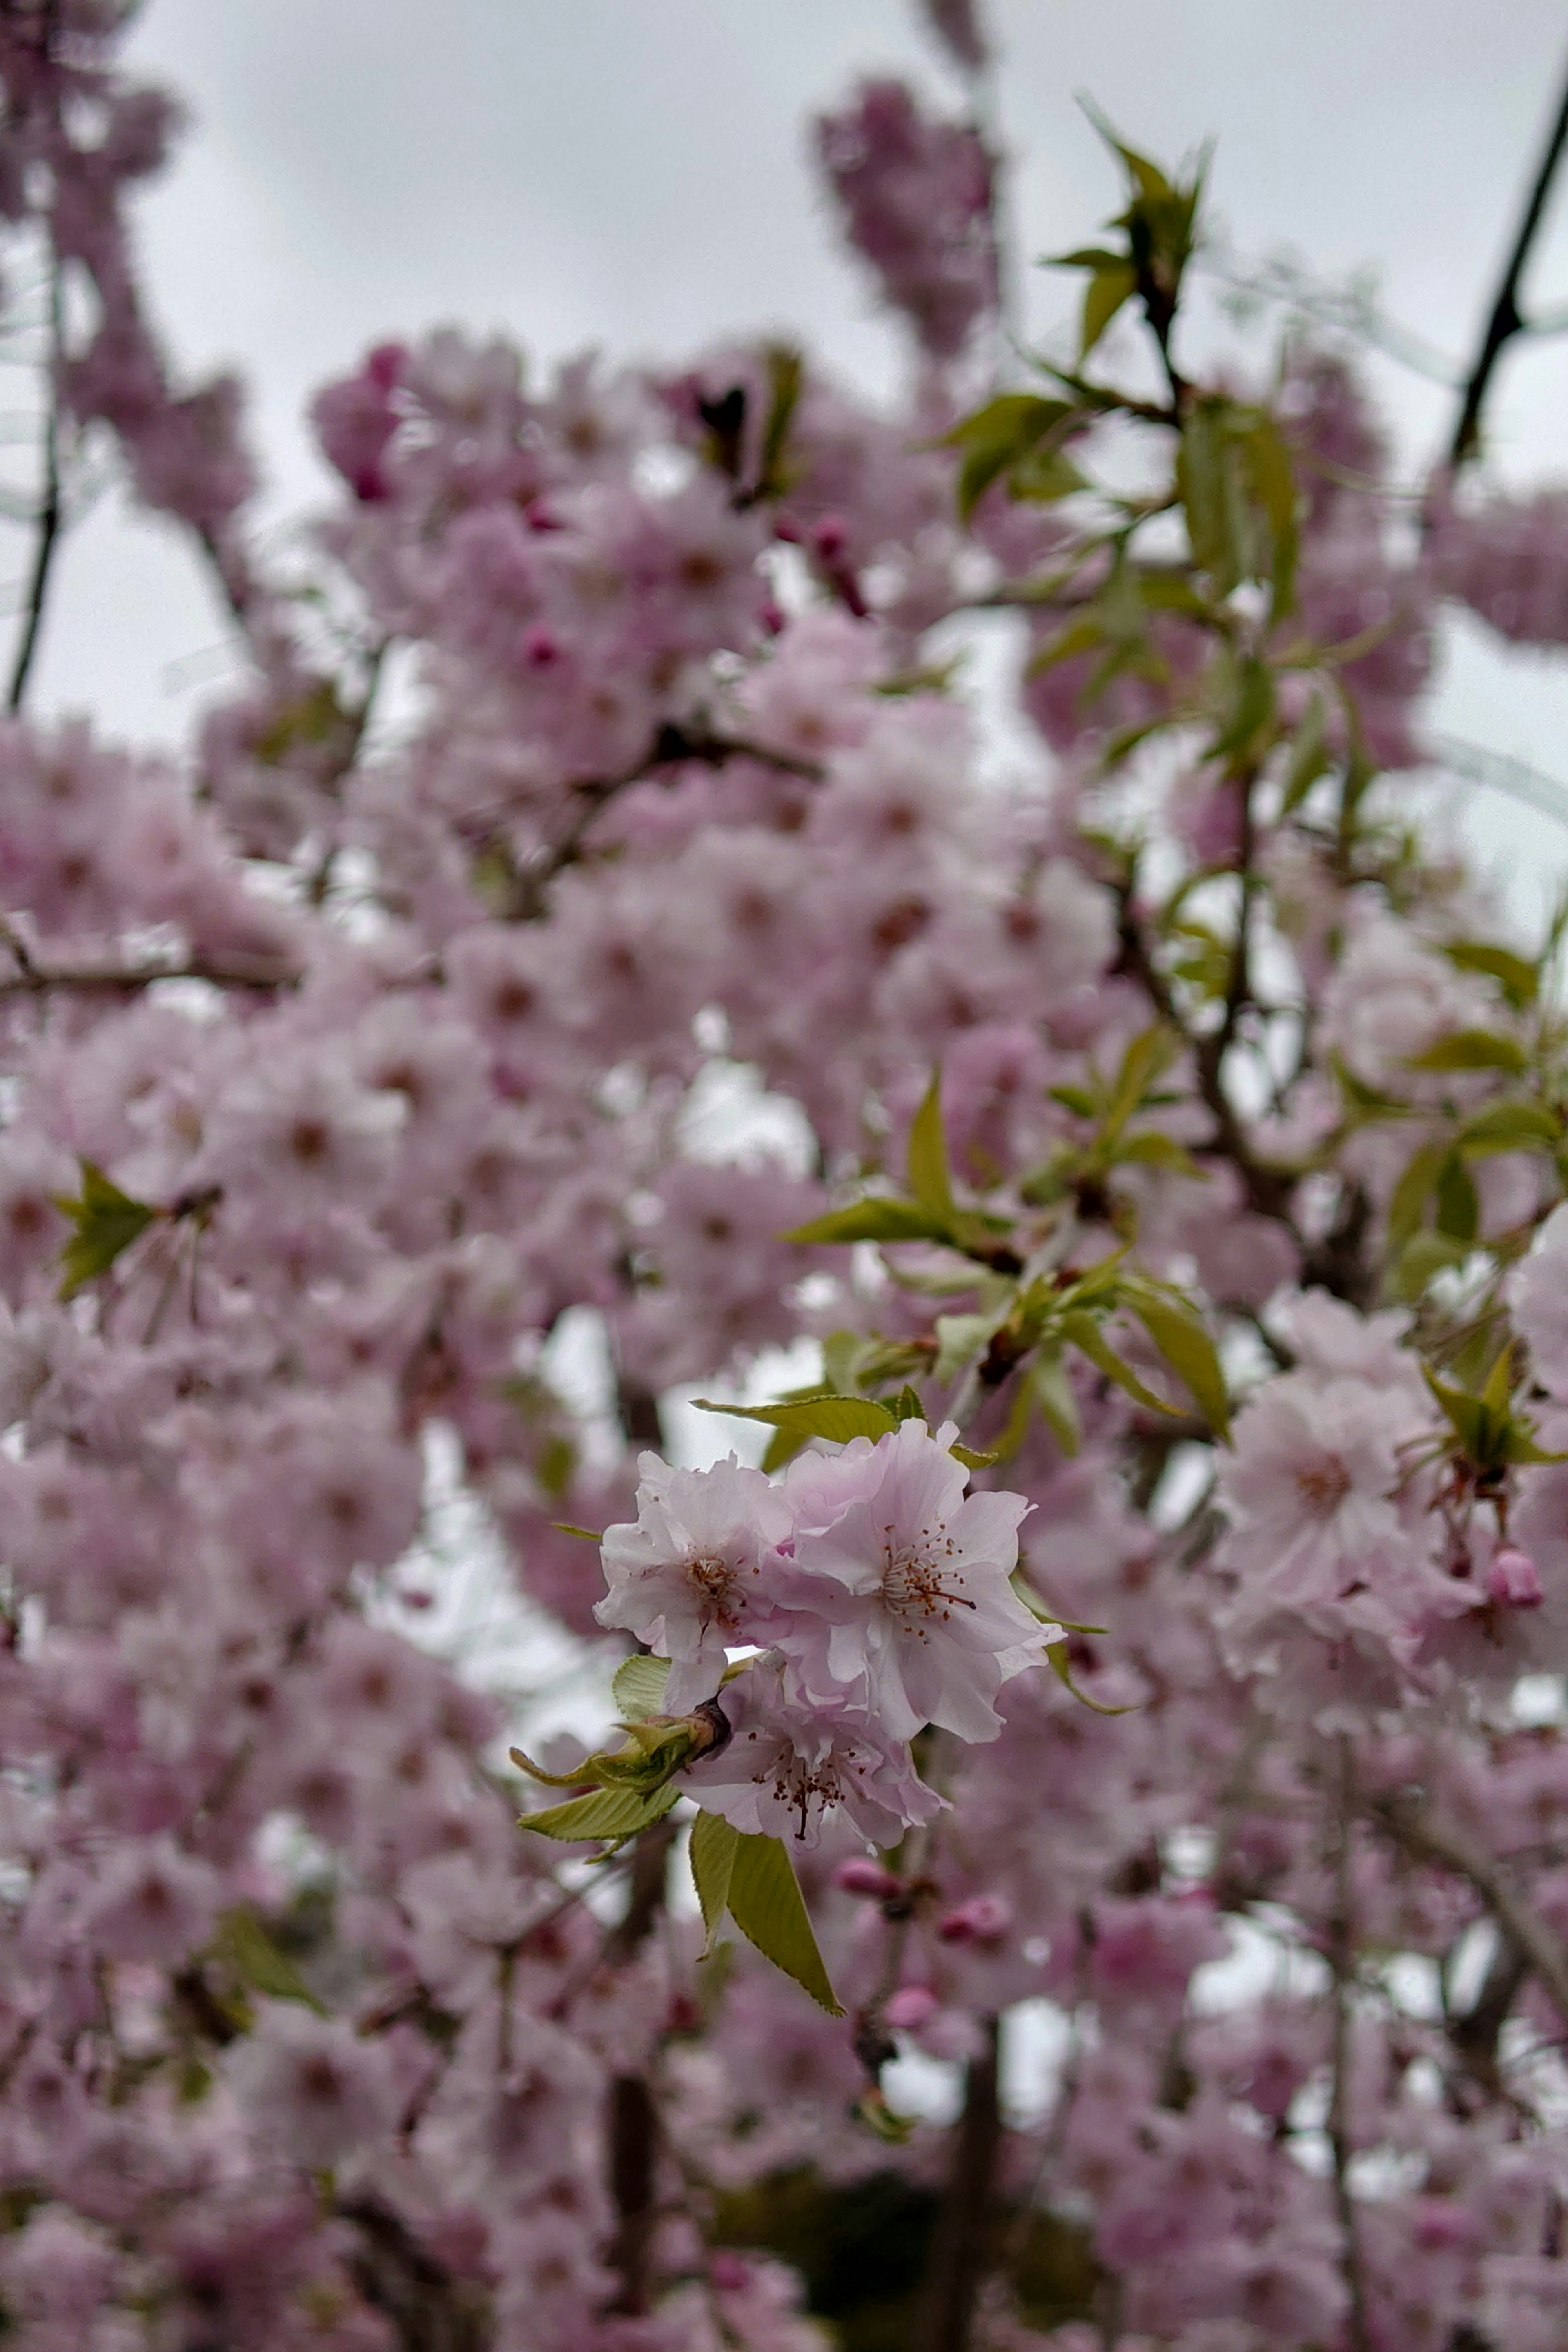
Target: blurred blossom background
638, 177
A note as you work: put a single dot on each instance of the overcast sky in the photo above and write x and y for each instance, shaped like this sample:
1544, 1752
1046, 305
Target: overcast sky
633, 173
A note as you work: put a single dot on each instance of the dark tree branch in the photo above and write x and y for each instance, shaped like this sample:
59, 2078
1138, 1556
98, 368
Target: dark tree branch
1425, 1836
50, 514
962, 2248
1506, 320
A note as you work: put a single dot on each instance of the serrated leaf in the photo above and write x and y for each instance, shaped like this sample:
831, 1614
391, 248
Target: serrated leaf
1178, 1332
1113, 284
929, 1177
972, 1458
1056, 1659
615, 1814
106, 1221
836, 1418
766, 1905
244, 1943
1472, 1049
875, 1220
638, 1687
713, 1843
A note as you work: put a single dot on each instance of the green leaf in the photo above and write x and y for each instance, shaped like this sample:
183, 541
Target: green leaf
1458, 1209
590, 1535
1054, 1394
1423, 1256
1271, 480
106, 1221
972, 1458
1113, 284
929, 1178
1056, 1659
244, 1943
785, 374
875, 1220
1472, 1049
713, 1843
1156, 1150
1310, 757
1519, 979
1147, 1057
1085, 1336
1250, 712
638, 1688
836, 1418
998, 437
614, 1813
1178, 1331
959, 1340
1510, 1127
1407, 1203
1208, 483
766, 1905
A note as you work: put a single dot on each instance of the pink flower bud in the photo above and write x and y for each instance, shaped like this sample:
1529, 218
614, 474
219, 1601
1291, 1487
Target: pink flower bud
730, 2273
983, 1919
1514, 1580
911, 2008
384, 366
861, 1875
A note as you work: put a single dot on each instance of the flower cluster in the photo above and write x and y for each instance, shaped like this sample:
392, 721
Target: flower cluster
520, 1001
879, 1593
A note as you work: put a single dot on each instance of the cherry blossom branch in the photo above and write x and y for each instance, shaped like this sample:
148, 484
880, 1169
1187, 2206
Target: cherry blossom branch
1427, 1837
1341, 1944
50, 514
1506, 320
33, 978
1267, 1188
672, 745
960, 2247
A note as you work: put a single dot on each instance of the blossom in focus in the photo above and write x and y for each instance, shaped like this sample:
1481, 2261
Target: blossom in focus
902, 1584
691, 1576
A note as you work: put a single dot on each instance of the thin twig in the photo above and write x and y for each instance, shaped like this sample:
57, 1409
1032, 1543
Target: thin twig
49, 514
1506, 320
1341, 1962
1428, 1837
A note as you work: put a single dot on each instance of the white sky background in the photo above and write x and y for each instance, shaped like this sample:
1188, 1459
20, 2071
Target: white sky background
633, 173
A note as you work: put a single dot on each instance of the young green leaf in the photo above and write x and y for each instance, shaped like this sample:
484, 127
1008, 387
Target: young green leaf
713, 1843
1111, 284
638, 1688
1056, 1659
1510, 1127
836, 1418
929, 1177
1086, 1335
1519, 979
766, 1905
875, 1220
244, 1943
107, 1220
1178, 1332
613, 1813
1472, 1049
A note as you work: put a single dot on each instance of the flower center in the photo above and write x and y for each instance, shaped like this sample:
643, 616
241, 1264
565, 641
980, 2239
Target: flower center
1323, 1484
912, 1586
715, 1578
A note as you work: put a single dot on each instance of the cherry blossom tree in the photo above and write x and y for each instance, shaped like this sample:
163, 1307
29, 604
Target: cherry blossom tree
1137, 1638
